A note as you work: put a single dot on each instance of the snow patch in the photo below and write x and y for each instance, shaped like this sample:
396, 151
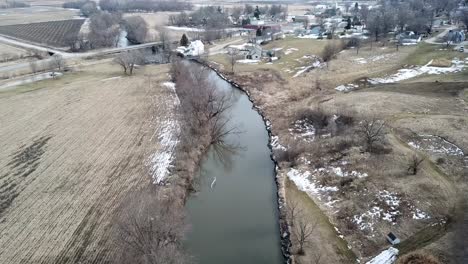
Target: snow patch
247, 61
167, 134
437, 145
346, 87
405, 74
388, 256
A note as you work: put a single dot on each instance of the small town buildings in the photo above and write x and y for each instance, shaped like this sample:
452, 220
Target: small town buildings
408, 38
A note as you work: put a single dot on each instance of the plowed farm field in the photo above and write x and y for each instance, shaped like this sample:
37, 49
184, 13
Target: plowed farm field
70, 150
52, 33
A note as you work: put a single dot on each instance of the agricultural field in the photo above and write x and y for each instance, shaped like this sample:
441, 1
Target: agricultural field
53, 33
71, 149
35, 14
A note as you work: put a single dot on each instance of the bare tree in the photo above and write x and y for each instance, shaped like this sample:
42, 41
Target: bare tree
163, 37
303, 231
150, 228
372, 131
414, 163
203, 105
33, 65
293, 211
233, 55
56, 64
128, 59
330, 51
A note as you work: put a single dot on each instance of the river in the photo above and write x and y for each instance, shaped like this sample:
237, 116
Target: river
235, 219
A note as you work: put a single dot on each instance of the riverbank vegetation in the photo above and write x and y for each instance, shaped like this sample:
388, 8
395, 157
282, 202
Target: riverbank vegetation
354, 147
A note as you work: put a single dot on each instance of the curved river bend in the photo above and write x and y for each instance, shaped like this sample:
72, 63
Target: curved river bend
234, 216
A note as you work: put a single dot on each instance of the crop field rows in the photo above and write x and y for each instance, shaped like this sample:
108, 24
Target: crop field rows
53, 33
70, 150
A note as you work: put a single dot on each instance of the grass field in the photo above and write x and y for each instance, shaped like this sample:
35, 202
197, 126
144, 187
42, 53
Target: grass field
8, 52
34, 14
53, 33
71, 148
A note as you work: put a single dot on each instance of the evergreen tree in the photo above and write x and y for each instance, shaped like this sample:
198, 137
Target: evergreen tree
184, 41
257, 13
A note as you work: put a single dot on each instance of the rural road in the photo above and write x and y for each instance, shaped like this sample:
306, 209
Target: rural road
66, 55
433, 40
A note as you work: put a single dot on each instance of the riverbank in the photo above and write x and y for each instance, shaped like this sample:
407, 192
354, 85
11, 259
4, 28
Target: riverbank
341, 179
280, 180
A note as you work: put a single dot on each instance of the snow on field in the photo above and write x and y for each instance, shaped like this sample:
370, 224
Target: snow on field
188, 29
31, 79
290, 50
315, 64
387, 206
167, 133
388, 256
361, 60
247, 61
307, 183
304, 130
405, 74
436, 145
346, 87
309, 36
276, 145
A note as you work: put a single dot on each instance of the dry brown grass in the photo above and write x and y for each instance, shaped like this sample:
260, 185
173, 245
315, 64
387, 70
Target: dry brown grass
418, 258
85, 140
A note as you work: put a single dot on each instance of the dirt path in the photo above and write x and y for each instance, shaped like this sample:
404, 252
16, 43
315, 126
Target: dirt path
68, 154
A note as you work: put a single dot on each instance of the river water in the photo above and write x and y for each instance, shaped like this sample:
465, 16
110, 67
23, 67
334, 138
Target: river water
235, 219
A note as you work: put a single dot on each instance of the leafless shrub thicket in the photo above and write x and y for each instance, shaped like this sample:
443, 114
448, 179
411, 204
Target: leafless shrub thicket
128, 60
418, 258
104, 29
331, 50
414, 164
150, 228
136, 28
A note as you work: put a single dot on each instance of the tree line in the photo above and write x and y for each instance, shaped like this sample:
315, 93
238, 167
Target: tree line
132, 5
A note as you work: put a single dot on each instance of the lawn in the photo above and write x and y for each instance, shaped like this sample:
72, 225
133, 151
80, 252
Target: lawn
427, 52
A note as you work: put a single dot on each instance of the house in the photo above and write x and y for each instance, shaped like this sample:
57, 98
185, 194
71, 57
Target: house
393, 239
409, 38
249, 51
455, 36
196, 48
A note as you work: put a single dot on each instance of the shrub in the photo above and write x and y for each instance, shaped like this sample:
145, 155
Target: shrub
314, 116
418, 258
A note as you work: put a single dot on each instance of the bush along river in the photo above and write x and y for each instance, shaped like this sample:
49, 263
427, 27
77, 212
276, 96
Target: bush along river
234, 215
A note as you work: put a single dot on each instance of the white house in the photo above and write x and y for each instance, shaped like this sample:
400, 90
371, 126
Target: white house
196, 48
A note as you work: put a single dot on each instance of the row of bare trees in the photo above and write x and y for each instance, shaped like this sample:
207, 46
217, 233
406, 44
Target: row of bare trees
204, 106
150, 228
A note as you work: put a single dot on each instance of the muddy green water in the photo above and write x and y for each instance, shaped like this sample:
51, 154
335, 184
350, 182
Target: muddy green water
236, 221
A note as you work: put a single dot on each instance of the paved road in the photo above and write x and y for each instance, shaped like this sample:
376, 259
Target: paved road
64, 54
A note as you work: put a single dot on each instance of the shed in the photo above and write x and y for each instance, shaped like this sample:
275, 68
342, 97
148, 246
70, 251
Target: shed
393, 239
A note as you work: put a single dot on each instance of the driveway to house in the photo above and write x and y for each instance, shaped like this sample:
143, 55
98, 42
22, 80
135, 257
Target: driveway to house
433, 40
